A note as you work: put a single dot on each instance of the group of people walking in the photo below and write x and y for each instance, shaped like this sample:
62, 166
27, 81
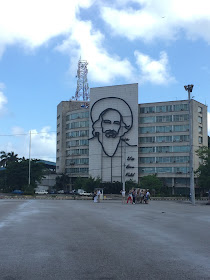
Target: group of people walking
136, 196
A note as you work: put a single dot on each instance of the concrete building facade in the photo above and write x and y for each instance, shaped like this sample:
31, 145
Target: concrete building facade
164, 140
113, 133
161, 131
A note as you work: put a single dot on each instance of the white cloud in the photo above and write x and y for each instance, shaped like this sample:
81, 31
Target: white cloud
3, 100
43, 143
154, 71
86, 42
160, 19
34, 22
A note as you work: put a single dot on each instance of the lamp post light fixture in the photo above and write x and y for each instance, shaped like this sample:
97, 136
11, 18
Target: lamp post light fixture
189, 89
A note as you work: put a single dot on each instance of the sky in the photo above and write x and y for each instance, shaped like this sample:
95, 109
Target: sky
160, 44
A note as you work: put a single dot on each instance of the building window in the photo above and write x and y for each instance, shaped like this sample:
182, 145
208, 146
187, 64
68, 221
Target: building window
147, 160
58, 133
84, 142
58, 125
181, 149
144, 110
77, 152
147, 119
164, 118
164, 129
57, 159
200, 140
146, 139
178, 128
72, 143
199, 109
80, 115
164, 139
164, 149
147, 150
58, 142
181, 118
147, 170
200, 129
58, 117
181, 107
181, 138
165, 109
149, 129
199, 119
180, 170
164, 159
164, 169
77, 161
58, 150
77, 170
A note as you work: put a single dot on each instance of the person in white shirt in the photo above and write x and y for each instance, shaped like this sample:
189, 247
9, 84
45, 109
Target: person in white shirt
98, 195
123, 195
147, 196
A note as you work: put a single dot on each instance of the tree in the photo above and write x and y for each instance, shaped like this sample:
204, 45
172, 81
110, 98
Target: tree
151, 182
130, 184
62, 182
87, 184
203, 171
16, 175
7, 158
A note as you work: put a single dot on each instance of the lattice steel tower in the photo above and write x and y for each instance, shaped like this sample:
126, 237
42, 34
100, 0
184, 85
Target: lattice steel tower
82, 81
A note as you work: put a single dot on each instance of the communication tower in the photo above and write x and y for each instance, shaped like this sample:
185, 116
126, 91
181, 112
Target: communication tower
82, 81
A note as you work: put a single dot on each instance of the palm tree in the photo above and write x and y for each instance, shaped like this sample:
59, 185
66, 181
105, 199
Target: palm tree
6, 158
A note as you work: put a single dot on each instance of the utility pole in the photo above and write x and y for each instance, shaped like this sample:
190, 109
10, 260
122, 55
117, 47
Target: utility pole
29, 163
189, 89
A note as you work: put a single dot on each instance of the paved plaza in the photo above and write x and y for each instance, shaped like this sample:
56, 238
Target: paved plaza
67, 239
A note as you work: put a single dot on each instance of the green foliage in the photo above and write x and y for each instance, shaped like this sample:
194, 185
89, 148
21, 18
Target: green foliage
151, 182
16, 174
113, 188
62, 182
6, 158
87, 184
203, 171
131, 184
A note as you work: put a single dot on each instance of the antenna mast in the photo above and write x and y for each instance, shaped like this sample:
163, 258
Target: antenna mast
82, 81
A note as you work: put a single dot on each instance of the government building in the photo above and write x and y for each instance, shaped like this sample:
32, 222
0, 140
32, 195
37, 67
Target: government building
115, 138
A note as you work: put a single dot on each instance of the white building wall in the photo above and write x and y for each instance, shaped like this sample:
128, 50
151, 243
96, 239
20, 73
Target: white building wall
103, 162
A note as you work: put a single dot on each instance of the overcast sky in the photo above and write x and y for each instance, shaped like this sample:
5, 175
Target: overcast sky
160, 44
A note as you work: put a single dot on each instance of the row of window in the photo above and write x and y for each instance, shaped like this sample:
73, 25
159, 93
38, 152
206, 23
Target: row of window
77, 161
164, 149
77, 125
169, 118
77, 170
166, 118
167, 129
176, 159
153, 170
80, 115
74, 143
159, 139
164, 108
77, 152
164, 129
80, 133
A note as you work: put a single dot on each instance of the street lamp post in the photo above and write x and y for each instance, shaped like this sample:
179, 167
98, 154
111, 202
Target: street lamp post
189, 89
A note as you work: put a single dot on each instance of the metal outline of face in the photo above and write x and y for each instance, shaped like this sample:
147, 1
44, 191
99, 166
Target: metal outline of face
128, 127
110, 133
